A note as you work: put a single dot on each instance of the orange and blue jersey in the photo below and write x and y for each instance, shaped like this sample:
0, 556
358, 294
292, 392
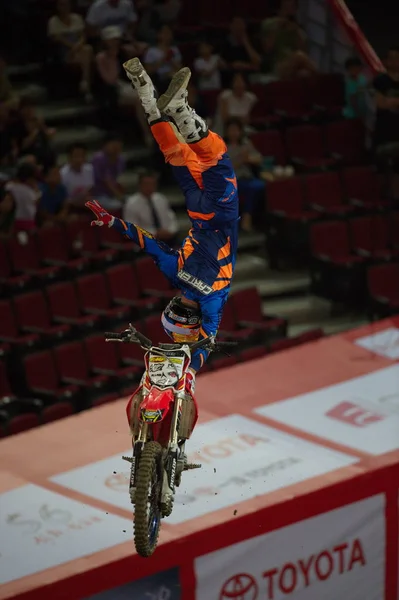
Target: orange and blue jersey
203, 267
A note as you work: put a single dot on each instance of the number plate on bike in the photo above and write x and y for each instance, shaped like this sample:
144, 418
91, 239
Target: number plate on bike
165, 371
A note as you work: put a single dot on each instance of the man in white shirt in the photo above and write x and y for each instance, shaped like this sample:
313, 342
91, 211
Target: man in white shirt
77, 175
151, 210
104, 13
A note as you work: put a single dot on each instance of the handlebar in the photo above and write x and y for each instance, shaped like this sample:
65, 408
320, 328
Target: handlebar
132, 335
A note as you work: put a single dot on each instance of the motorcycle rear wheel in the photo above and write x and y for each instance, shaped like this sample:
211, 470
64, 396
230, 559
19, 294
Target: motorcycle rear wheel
147, 505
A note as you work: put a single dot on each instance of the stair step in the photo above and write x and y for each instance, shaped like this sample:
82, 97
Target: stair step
274, 285
330, 326
249, 266
87, 134
302, 310
57, 112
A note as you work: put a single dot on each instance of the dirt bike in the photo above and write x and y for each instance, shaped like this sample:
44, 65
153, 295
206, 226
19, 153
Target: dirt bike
162, 416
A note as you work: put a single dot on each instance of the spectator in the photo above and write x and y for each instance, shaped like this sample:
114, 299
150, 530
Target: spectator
31, 135
53, 203
197, 102
284, 45
163, 60
25, 192
77, 175
236, 102
167, 11
7, 213
356, 106
67, 30
207, 67
238, 52
7, 94
108, 166
104, 13
386, 130
151, 210
246, 159
116, 89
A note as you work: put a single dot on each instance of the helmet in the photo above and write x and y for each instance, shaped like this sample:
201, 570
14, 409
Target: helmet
181, 322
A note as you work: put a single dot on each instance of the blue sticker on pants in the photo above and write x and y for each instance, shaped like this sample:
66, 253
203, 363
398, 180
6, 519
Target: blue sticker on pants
161, 586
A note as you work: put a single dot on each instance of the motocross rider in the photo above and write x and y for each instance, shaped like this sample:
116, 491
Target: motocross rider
203, 267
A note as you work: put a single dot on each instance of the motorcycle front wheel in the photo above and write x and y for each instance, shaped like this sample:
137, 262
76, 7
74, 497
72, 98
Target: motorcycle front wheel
147, 505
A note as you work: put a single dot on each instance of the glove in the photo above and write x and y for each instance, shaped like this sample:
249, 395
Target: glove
103, 217
190, 382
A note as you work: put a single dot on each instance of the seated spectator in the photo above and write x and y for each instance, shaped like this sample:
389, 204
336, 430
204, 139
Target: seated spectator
151, 210
246, 159
25, 193
386, 129
356, 106
238, 51
207, 66
53, 203
115, 87
163, 60
78, 175
284, 45
167, 11
114, 13
67, 30
7, 93
7, 213
236, 102
108, 166
31, 135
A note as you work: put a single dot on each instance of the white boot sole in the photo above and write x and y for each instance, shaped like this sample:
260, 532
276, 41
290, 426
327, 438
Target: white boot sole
178, 83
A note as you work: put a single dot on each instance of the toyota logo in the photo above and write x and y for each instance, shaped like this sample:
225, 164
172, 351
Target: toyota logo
240, 587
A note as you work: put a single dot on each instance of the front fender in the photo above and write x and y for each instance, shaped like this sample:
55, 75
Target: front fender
155, 406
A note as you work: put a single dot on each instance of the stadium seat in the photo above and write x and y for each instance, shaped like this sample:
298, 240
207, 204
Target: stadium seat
330, 241
261, 114
383, 286
155, 331
42, 378
84, 240
111, 238
270, 143
229, 328
24, 422
73, 367
104, 399
305, 147
104, 359
285, 199
223, 362
132, 354
311, 335
290, 100
370, 237
324, 194
362, 187
285, 344
248, 310
252, 353
394, 229
95, 298
54, 250
33, 316
152, 282
10, 283
327, 93
5, 387
123, 283
346, 139
210, 99
25, 259
9, 331
64, 306
57, 411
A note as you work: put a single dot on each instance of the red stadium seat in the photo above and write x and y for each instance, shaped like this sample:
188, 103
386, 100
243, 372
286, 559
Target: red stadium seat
123, 283
155, 331
151, 280
327, 92
33, 316
305, 146
285, 198
103, 358
383, 285
54, 250
285, 344
262, 113
54, 412
270, 143
370, 237
73, 366
329, 241
25, 259
290, 99
223, 362
362, 187
394, 229
5, 388
346, 139
324, 194
132, 354
311, 335
9, 281
229, 327
84, 240
252, 353
43, 379
248, 310
95, 298
23, 422
104, 399
64, 306
9, 331
210, 98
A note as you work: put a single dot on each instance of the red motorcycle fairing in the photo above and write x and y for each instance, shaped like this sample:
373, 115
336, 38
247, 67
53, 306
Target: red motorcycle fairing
158, 400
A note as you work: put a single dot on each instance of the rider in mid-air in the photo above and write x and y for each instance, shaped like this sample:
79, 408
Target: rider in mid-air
203, 267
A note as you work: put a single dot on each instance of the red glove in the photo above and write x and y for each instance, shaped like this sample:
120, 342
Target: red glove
190, 382
103, 217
